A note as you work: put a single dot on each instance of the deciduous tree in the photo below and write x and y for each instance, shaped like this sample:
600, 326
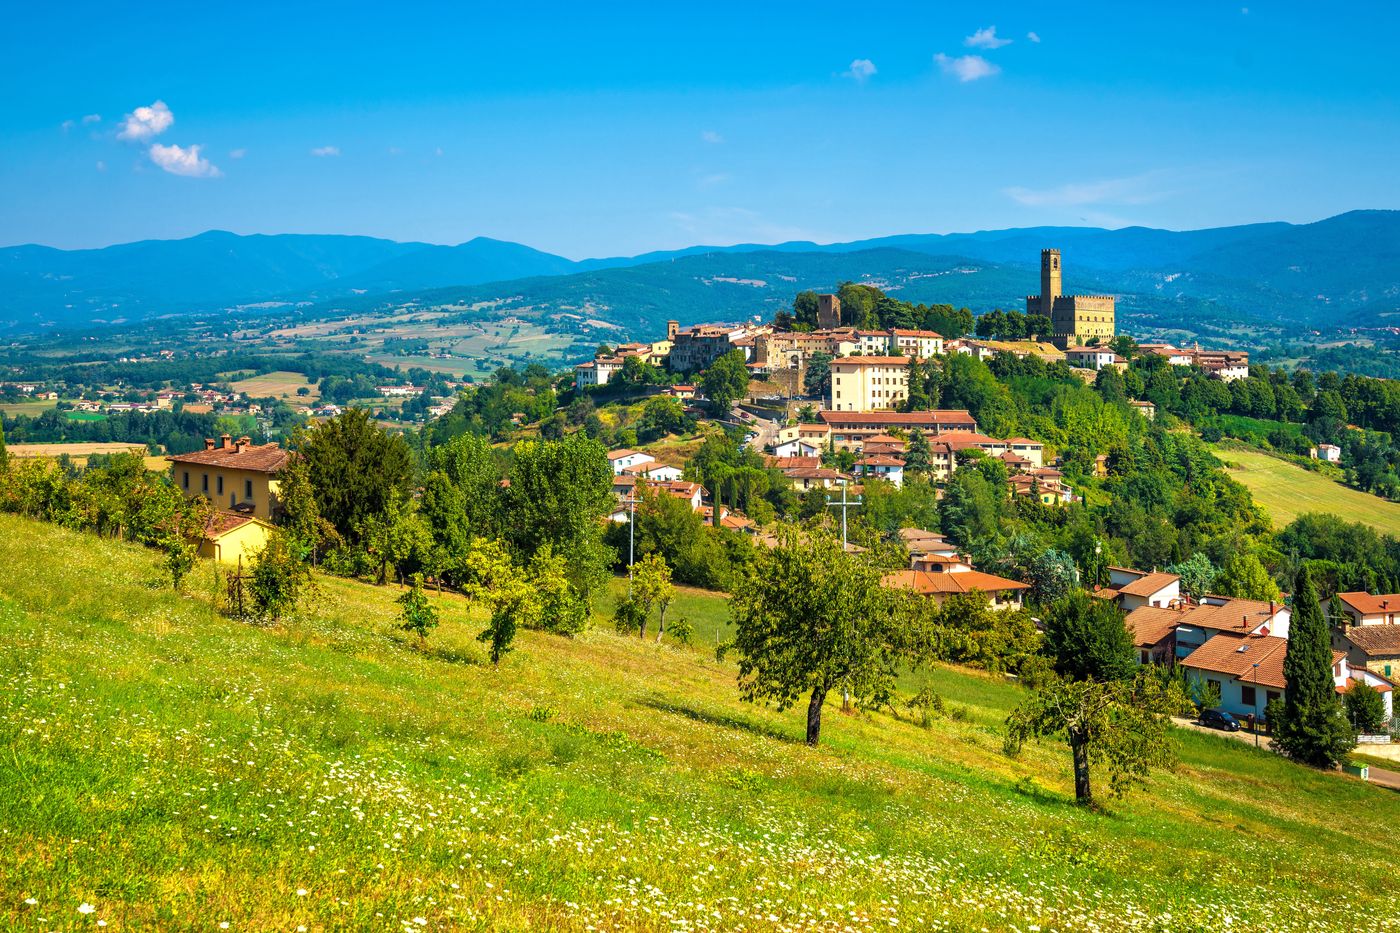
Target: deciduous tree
811, 619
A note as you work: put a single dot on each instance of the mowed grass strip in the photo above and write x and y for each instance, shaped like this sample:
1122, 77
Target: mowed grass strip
175, 770
1286, 491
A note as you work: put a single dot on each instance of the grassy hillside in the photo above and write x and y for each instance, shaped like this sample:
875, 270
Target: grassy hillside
1286, 491
176, 770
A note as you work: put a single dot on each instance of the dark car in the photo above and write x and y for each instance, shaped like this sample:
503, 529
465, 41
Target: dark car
1219, 719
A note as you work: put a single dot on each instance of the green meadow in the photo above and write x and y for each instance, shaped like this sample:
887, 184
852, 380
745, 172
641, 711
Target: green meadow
165, 768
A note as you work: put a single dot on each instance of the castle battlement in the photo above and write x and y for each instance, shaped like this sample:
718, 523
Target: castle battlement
1075, 319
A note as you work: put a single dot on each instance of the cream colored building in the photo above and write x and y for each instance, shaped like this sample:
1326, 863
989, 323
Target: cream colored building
233, 475
869, 383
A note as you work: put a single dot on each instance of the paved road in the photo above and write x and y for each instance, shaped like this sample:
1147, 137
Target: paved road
1380, 776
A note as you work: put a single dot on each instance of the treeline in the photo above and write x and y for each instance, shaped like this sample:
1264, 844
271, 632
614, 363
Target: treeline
176, 431
868, 308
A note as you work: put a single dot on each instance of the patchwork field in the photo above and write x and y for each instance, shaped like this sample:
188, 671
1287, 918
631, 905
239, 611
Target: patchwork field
1286, 491
172, 769
282, 385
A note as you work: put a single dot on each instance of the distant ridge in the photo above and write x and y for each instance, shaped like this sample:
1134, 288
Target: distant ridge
1345, 269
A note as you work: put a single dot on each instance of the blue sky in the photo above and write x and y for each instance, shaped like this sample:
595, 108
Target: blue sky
604, 129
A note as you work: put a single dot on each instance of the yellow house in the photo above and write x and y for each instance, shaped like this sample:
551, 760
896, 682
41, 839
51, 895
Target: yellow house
229, 536
234, 475
869, 383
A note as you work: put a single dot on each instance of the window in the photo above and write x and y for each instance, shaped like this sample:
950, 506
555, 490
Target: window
221, 485
1247, 695
247, 489
186, 481
205, 486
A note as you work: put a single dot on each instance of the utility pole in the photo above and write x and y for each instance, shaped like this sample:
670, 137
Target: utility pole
845, 503
631, 538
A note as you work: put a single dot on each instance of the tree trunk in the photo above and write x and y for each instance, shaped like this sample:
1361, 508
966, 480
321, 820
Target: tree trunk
661, 625
814, 714
1079, 745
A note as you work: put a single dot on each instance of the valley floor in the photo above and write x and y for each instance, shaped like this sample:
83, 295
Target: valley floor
173, 769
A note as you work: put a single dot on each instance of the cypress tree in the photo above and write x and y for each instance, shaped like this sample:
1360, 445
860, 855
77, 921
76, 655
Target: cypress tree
4, 454
1313, 729
917, 454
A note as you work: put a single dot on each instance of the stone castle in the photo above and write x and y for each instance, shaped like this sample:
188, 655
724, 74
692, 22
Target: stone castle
1075, 319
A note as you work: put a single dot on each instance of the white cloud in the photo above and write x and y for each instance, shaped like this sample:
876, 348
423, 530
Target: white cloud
711, 137
1135, 189
145, 122
1033, 36
237, 153
437, 151
101, 166
985, 39
861, 69
92, 118
726, 225
966, 67
322, 152
178, 160
66, 125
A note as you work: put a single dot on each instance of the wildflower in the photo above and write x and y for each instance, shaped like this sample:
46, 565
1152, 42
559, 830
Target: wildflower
30, 901
85, 908
302, 892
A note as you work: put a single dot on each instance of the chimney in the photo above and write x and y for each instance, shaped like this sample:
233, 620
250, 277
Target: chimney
243, 442
1272, 610
225, 441
208, 443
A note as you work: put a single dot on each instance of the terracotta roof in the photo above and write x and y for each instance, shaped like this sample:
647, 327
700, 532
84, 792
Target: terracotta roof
1240, 616
940, 416
1023, 442
1149, 584
921, 581
258, 458
1150, 625
1369, 605
1236, 656
910, 535
880, 460
813, 473
791, 463
221, 523
882, 439
871, 361
900, 332
1375, 640
619, 454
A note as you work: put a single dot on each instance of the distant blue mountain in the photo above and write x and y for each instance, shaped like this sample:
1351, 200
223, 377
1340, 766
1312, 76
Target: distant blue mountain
1345, 269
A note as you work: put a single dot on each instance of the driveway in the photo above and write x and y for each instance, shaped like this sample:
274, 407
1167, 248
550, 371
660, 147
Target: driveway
1380, 776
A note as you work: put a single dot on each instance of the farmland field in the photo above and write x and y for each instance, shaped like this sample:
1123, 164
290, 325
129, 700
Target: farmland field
171, 768
277, 385
1286, 491
30, 407
77, 449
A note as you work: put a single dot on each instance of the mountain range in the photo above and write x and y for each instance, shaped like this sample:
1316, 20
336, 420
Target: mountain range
1342, 271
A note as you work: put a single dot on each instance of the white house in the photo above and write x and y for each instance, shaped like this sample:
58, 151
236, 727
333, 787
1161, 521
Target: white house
625, 459
596, 372
1091, 357
1248, 669
882, 466
1329, 452
654, 472
797, 447
1138, 588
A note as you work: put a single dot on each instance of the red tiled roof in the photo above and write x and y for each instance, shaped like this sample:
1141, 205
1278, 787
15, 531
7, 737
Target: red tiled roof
1369, 605
1375, 640
1149, 625
921, 581
257, 458
871, 361
1149, 584
939, 416
1236, 656
880, 460
1236, 615
791, 463
221, 523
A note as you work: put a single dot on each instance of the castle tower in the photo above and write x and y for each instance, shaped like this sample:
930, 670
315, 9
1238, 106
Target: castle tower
1050, 284
828, 312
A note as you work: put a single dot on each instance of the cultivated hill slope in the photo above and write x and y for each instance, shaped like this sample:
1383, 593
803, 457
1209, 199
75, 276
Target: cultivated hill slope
177, 770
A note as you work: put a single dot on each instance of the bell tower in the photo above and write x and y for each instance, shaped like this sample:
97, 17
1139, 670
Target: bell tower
1050, 287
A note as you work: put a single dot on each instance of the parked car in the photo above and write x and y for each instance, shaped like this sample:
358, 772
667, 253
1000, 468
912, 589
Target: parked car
1219, 719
